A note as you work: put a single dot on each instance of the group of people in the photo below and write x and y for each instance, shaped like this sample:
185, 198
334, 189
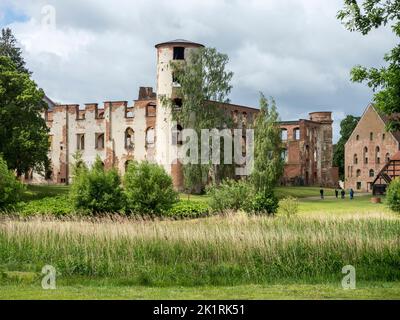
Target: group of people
342, 193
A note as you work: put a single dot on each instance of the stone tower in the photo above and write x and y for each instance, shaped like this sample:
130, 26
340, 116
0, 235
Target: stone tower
169, 51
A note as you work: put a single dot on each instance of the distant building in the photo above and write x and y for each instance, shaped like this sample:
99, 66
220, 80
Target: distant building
119, 131
309, 151
368, 149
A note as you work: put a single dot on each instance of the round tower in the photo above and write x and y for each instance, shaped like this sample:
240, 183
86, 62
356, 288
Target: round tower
174, 50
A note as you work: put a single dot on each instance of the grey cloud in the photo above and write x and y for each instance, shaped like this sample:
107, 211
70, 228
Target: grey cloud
294, 50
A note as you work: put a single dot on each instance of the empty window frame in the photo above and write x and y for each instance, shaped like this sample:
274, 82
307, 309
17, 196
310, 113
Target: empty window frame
99, 143
179, 53
150, 137
80, 141
151, 110
129, 138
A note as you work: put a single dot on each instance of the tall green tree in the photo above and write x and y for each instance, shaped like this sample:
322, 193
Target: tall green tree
363, 16
203, 80
347, 126
24, 141
10, 49
268, 162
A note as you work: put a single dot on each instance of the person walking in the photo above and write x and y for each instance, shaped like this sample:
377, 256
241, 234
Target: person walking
321, 192
336, 193
351, 194
343, 193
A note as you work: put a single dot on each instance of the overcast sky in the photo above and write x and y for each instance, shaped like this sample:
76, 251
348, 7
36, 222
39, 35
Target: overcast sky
294, 50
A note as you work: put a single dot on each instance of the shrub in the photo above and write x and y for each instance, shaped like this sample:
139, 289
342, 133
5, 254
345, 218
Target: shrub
10, 188
262, 203
97, 190
229, 195
288, 206
148, 189
393, 195
58, 206
188, 209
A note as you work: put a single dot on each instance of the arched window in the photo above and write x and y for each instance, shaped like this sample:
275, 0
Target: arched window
100, 141
150, 137
371, 136
129, 138
177, 135
377, 155
365, 155
357, 137
296, 133
358, 173
387, 157
355, 159
371, 173
284, 134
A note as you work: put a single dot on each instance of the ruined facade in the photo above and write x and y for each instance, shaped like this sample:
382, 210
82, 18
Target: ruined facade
368, 149
119, 131
308, 151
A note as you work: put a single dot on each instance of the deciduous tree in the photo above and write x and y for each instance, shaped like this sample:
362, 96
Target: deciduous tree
363, 16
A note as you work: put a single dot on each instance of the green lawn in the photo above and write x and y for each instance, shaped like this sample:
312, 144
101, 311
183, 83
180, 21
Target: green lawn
379, 290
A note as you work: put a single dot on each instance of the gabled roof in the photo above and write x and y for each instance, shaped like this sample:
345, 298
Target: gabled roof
385, 119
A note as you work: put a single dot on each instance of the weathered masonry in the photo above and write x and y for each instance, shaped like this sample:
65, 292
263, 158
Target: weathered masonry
309, 152
122, 131
369, 148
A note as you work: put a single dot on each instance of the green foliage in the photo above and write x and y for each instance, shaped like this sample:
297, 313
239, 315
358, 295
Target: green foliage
385, 81
97, 190
148, 189
229, 195
79, 165
10, 188
187, 209
24, 140
347, 126
393, 195
262, 203
268, 163
288, 207
57, 206
9, 48
203, 80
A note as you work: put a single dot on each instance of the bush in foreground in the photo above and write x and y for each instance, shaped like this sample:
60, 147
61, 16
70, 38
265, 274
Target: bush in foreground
10, 188
240, 195
288, 207
185, 209
148, 189
97, 190
393, 195
229, 195
56, 206
262, 203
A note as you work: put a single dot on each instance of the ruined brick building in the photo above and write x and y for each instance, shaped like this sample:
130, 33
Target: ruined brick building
119, 131
368, 149
309, 151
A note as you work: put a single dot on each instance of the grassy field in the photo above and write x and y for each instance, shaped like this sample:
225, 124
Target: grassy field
229, 257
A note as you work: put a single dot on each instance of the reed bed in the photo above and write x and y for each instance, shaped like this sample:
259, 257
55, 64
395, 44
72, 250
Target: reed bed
229, 250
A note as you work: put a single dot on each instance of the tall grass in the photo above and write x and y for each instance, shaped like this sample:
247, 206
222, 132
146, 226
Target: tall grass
216, 251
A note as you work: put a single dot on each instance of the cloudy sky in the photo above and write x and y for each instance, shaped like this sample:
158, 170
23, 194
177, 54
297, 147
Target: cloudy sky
294, 50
